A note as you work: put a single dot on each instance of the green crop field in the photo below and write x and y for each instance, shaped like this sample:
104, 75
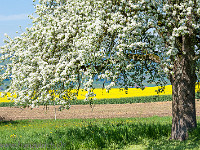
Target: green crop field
142, 99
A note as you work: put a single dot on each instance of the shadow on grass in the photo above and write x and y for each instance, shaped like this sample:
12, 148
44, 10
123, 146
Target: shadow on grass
119, 135
4, 121
108, 135
2, 118
192, 143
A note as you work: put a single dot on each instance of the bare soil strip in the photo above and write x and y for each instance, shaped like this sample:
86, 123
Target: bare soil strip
99, 111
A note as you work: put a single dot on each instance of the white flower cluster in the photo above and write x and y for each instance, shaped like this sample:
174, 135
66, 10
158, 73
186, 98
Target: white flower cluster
108, 87
70, 40
182, 30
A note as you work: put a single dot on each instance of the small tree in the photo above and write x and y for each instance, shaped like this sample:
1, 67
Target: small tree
123, 41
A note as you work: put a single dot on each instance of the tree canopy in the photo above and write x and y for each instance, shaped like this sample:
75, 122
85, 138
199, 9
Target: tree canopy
123, 41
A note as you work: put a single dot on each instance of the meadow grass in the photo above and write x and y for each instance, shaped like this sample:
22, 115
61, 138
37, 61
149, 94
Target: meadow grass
116, 133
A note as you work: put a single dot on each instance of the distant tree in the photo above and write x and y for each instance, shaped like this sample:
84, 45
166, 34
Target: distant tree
122, 41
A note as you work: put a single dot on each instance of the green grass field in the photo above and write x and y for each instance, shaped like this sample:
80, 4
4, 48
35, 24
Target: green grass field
126, 133
117, 133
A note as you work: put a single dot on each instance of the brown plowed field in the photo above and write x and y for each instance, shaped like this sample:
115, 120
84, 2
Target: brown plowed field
99, 111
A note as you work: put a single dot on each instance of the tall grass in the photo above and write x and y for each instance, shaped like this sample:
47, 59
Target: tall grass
148, 133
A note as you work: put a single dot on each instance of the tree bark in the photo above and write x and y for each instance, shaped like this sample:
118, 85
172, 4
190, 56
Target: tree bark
183, 91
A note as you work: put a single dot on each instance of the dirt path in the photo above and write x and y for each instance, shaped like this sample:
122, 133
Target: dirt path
99, 111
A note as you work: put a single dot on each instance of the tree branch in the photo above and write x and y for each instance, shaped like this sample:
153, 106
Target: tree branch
139, 57
196, 57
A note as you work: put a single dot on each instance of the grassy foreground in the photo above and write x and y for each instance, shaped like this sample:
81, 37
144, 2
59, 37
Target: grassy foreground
116, 133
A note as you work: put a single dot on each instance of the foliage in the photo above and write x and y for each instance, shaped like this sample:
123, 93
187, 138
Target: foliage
72, 42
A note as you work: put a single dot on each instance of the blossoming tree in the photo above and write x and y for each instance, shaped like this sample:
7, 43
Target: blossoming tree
123, 41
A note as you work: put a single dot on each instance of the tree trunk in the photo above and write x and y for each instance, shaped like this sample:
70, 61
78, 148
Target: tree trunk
183, 91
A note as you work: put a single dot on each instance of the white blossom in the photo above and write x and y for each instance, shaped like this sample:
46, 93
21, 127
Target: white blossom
70, 40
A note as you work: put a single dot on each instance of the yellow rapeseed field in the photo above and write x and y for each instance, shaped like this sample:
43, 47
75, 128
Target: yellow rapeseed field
119, 93
131, 92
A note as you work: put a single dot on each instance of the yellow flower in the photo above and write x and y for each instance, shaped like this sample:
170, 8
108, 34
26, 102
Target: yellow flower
13, 135
118, 93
